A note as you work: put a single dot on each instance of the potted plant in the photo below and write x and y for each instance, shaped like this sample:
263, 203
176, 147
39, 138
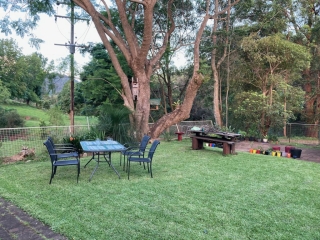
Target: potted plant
251, 149
265, 138
243, 135
176, 104
268, 151
251, 133
261, 150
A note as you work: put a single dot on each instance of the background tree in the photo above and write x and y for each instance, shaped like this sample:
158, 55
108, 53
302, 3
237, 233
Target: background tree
33, 77
4, 93
304, 17
63, 103
11, 67
100, 82
275, 63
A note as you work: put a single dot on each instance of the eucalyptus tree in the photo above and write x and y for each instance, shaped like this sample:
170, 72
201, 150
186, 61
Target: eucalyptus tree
142, 50
183, 36
275, 63
221, 23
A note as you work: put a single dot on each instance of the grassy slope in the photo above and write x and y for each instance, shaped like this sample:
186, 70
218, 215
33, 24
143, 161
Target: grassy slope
193, 195
33, 115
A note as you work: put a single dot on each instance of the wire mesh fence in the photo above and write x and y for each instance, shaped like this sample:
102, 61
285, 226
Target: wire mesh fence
14, 139
303, 133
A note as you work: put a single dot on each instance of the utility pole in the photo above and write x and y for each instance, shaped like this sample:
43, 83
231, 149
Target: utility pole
72, 51
72, 48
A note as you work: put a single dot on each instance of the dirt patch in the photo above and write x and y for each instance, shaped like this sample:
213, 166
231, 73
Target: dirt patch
23, 155
308, 154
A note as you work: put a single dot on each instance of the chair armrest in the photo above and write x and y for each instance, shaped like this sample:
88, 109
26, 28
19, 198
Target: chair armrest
71, 149
64, 144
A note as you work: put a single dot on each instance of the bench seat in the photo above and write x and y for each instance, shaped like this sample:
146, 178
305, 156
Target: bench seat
227, 145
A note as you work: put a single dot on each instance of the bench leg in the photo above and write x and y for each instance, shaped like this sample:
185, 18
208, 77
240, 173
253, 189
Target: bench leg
194, 144
233, 148
197, 144
226, 148
200, 144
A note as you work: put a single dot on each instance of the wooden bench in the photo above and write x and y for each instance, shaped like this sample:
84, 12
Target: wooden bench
227, 145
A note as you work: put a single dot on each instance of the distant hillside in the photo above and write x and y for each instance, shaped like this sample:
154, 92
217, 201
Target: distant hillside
58, 82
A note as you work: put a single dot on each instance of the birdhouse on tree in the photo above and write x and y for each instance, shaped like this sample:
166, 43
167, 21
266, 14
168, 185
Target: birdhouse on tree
134, 88
154, 103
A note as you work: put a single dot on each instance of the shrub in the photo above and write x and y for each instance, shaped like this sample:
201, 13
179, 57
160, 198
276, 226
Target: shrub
9, 118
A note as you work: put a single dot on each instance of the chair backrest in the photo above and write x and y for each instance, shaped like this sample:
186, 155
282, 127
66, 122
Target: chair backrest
144, 143
153, 148
50, 140
51, 150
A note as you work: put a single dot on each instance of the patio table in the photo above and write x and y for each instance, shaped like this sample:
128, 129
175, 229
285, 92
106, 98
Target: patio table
104, 148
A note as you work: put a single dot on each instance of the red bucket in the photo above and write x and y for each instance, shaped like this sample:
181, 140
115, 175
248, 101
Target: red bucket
287, 149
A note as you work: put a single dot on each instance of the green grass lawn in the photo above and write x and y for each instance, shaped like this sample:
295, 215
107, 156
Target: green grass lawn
193, 195
33, 115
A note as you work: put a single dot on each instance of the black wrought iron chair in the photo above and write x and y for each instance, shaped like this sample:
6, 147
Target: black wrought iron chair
148, 160
137, 151
61, 159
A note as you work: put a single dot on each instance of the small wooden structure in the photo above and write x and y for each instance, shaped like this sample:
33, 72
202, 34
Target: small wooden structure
155, 103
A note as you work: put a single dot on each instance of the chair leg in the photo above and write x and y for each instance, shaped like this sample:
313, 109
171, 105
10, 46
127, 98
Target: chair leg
78, 172
124, 162
151, 170
128, 168
52, 174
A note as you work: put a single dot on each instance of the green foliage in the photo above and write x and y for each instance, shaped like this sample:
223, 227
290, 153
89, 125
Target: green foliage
273, 138
22, 76
100, 82
111, 119
9, 118
167, 136
46, 105
64, 98
4, 92
55, 117
275, 55
34, 74
75, 141
243, 133
23, 26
